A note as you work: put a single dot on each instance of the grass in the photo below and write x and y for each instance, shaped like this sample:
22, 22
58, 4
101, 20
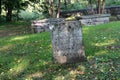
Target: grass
29, 56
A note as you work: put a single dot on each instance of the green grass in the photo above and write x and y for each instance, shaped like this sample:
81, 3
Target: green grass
29, 56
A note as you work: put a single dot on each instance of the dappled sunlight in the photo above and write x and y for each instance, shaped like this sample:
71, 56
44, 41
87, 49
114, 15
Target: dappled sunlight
60, 77
42, 63
101, 52
34, 75
19, 67
19, 38
71, 73
4, 48
85, 30
30, 56
105, 43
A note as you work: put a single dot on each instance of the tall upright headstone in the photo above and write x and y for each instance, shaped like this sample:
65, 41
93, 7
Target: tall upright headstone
67, 41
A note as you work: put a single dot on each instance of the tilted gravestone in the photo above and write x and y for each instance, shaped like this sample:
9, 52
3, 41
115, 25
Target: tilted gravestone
67, 41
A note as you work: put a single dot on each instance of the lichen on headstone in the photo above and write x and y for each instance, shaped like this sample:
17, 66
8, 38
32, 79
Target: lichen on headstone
67, 41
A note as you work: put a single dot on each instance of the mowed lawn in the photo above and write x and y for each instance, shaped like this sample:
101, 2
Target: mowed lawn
27, 56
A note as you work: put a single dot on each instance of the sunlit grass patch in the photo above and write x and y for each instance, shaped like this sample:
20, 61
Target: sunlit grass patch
96, 38
105, 43
18, 38
17, 67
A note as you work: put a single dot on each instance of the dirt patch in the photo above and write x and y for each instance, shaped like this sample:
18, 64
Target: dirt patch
4, 33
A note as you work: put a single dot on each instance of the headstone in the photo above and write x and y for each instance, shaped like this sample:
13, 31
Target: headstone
67, 41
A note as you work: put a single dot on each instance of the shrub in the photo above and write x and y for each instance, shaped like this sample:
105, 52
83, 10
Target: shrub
27, 15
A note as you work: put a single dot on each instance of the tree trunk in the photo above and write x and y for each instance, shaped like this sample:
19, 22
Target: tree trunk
17, 14
51, 7
103, 6
65, 3
69, 1
58, 12
9, 15
98, 7
9, 12
77, 1
0, 7
92, 10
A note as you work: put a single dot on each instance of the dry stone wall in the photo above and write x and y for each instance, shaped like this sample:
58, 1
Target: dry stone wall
40, 26
43, 25
95, 19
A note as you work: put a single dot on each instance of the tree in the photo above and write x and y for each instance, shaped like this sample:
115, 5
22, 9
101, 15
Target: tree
11, 5
91, 5
99, 10
69, 1
98, 6
50, 5
51, 8
65, 3
9, 9
0, 7
58, 12
103, 6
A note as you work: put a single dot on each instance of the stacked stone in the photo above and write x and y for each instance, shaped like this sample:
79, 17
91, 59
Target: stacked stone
40, 26
95, 19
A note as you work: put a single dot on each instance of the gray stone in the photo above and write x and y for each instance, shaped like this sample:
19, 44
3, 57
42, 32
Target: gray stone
67, 41
118, 17
40, 26
95, 19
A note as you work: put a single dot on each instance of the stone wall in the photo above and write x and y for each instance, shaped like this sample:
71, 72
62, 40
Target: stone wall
118, 17
43, 25
40, 26
67, 41
95, 19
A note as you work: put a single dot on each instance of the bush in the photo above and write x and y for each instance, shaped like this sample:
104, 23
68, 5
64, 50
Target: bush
2, 19
27, 15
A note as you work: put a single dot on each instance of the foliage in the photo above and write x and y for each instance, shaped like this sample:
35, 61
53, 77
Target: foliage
75, 6
112, 2
28, 15
11, 8
29, 56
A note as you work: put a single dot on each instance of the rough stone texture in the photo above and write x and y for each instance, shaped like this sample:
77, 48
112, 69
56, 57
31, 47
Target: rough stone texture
40, 26
95, 19
43, 25
67, 41
118, 17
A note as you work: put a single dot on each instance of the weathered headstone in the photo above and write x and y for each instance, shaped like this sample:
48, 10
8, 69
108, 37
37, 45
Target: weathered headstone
67, 41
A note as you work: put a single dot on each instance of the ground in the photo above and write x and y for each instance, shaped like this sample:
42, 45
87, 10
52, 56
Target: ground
26, 56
